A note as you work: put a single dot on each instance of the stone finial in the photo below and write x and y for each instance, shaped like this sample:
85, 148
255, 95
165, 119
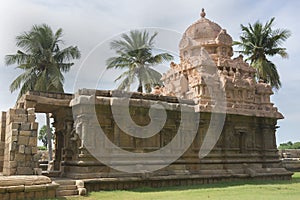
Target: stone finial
203, 14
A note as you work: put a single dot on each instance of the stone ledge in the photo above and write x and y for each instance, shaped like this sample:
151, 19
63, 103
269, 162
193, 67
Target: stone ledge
167, 181
27, 187
23, 180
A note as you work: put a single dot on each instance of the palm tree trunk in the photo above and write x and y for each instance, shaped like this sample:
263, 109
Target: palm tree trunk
49, 136
140, 88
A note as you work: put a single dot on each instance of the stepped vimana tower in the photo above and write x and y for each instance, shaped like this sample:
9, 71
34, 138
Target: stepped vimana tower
206, 67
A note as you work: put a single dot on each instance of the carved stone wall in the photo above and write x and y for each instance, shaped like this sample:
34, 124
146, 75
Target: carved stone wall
245, 148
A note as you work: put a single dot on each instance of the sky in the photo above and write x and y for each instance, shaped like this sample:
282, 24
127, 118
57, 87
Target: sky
91, 24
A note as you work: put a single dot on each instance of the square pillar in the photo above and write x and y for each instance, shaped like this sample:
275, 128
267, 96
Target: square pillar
20, 142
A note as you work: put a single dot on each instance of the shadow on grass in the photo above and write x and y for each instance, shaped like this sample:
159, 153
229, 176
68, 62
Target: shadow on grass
295, 179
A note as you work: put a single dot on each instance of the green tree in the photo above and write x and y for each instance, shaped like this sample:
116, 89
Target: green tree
290, 145
43, 61
43, 136
135, 56
259, 42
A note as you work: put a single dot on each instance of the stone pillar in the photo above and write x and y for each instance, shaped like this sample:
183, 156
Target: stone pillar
20, 142
2, 138
63, 123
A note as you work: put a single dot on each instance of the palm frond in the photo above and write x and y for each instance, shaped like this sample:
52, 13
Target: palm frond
134, 53
259, 41
42, 60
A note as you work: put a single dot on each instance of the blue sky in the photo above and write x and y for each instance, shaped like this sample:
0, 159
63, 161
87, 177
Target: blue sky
90, 24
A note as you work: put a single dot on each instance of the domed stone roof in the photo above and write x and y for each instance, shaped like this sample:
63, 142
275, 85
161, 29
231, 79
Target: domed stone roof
207, 34
203, 29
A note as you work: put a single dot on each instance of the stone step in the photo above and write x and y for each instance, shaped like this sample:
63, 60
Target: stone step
67, 187
65, 182
60, 193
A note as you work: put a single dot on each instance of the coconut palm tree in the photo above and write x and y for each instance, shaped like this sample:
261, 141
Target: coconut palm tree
259, 42
43, 61
135, 56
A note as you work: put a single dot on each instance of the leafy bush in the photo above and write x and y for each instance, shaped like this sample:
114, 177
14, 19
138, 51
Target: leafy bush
289, 145
42, 148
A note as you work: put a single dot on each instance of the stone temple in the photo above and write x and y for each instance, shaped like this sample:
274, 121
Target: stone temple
212, 121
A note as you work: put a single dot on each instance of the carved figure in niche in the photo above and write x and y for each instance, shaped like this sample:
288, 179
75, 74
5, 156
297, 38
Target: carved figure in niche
224, 51
250, 94
74, 135
78, 132
240, 94
184, 86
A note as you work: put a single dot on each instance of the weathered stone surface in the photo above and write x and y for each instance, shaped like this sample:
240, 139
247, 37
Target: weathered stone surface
27, 187
15, 188
22, 149
32, 141
34, 126
34, 150
4, 196
28, 150
24, 171
23, 140
23, 180
82, 191
25, 132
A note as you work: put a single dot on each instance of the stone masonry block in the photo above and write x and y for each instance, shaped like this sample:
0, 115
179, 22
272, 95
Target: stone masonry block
27, 150
13, 132
23, 140
15, 125
31, 118
34, 126
34, 150
26, 126
28, 158
9, 171
14, 138
20, 111
34, 133
13, 164
39, 195
15, 189
32, 141
25, 133
4, 196
13, 195
24, 171
19, 118
29, 195
12, 146
11, 111
20, 195
20, 157
30, 110
21, 148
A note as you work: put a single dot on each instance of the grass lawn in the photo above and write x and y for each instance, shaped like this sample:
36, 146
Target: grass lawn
265, 190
